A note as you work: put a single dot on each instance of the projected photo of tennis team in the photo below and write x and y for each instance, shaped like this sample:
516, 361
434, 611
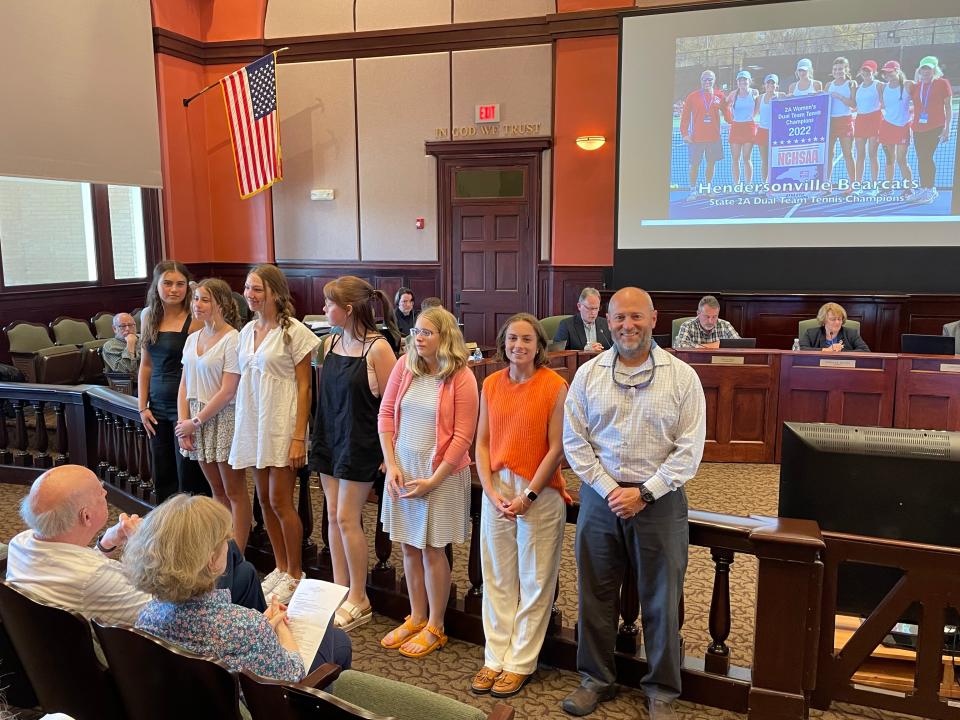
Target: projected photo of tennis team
847, 121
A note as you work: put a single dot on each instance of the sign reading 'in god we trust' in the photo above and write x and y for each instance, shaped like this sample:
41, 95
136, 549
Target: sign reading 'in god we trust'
500, 130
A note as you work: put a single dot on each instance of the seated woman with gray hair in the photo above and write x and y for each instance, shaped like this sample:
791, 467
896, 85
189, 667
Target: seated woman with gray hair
176, 555
832, 335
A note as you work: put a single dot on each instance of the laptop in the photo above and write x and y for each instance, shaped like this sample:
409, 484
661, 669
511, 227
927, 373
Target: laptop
556, 345
664, 341
738, 342
927, 344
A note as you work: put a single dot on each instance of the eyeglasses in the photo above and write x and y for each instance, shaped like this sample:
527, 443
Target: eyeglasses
126, 325
643, 383
422, 332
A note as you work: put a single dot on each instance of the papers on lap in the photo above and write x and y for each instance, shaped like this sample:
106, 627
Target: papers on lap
310, 610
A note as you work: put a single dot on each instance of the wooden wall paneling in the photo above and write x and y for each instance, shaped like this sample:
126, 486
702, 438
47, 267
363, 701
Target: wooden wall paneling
389, 284
928, 393
424, 287
927, 314
301, 290
813, 392
560, 287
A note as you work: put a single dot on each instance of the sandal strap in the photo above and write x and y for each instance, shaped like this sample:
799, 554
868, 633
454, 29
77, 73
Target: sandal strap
435, 631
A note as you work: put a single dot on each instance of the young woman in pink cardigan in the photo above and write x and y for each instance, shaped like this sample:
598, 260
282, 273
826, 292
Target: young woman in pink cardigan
427, 419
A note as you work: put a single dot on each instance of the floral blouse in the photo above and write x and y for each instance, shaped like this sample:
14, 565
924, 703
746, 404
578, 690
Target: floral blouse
211, 625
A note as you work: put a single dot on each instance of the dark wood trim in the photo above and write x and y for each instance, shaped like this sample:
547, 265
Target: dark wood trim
103, 233
478, 148
399, 41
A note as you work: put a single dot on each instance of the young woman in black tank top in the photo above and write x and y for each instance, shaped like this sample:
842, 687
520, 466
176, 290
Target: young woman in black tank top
166, 322
345, 449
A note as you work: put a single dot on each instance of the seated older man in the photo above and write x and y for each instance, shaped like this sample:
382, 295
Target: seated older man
53, 561
121, 353
706, 330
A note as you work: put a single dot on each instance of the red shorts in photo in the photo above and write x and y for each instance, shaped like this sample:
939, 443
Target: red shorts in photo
763, 136
867, 125
841, 127
742, 133
894, 134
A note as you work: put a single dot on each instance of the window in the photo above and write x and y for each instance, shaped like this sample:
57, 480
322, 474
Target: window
488, 183
55, 232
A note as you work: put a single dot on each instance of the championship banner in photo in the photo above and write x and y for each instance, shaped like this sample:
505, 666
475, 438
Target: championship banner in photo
799, 131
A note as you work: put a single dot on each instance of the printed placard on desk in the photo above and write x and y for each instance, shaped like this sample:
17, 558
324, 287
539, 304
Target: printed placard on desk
726, 360
837, 363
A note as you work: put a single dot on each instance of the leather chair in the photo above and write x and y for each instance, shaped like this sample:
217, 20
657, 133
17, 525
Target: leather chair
34, 353
103, 325
136, 318
57, 652
71, 331
805, 325
551, 324
675, 328
242, 307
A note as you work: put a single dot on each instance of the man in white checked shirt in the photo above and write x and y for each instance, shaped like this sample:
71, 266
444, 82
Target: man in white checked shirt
634, 428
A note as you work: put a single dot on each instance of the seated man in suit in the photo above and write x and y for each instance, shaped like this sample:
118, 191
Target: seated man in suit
585, 331
53, 561
706, 330
831, 335
953, 330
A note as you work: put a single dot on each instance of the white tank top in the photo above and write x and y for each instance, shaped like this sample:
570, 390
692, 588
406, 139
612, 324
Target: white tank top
743, 108
868, 98
797, 90
766, 112
896, 105
838, 108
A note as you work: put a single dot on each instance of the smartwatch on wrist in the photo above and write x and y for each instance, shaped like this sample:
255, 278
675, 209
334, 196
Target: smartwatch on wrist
196, 421
530, 494
101, 548
646, 495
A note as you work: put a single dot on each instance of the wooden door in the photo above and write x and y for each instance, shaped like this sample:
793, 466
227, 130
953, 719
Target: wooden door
491, 265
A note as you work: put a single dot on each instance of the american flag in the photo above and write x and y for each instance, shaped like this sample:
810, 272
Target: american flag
250, 95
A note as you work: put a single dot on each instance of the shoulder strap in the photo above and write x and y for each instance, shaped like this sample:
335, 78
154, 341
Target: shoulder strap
367, 349
186, 324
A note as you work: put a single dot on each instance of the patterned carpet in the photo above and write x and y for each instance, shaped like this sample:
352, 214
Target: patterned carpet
725, 488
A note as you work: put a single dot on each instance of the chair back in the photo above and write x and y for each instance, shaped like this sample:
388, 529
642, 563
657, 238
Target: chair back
675, 328
552, 324
103, 324
27, 336
136, 318
59, 365
805, 325
242, 307
56, 649
121, 382
274, 700
159, 681
71, 331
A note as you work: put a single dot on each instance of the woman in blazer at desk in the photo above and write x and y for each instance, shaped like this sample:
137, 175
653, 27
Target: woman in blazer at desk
832, 336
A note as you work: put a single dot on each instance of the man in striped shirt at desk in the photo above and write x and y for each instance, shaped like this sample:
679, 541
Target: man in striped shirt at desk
634, 428
706, 330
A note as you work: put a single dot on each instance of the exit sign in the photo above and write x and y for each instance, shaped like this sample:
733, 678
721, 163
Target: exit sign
487, 113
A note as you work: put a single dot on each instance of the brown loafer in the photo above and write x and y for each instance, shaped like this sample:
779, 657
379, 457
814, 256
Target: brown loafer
509, 684
484, 680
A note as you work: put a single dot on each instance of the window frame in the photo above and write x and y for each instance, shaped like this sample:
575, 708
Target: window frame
103, 244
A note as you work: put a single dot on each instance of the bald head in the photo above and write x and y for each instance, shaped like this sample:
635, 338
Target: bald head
65, 502
629, 297
123, 325
632, 318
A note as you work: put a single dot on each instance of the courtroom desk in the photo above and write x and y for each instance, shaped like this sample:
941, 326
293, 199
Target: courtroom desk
928, 392
741, 388
846, 388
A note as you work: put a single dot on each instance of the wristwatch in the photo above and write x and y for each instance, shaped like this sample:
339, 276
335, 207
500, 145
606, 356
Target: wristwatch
646, 495
101, 548
196, 421
530, 494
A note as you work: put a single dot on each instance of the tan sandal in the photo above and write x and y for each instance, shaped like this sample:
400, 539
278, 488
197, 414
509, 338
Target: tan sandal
348, 616
405, 632
423, 645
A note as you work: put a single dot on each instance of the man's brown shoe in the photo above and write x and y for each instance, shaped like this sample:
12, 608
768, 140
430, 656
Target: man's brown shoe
484, 680
509, 684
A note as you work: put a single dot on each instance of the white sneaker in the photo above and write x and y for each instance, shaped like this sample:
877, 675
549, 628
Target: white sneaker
270, 581
286, 587
925, 196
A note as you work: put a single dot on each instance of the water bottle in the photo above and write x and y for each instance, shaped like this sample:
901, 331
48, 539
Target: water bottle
796, 344
477, 355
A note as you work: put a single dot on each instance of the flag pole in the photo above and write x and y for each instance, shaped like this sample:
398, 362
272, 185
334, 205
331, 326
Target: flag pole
187, 101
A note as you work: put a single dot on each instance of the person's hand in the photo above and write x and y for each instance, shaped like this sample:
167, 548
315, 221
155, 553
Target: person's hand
625, 502
131, 343
183, 428
186, 443
118, 535
595, 347
418, 487
686, 138
298, 453
519, 505
710, 345
500, 504
276, 613
393, 481
149, 422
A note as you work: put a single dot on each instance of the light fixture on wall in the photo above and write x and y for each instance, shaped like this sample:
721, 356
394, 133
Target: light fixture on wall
590, 142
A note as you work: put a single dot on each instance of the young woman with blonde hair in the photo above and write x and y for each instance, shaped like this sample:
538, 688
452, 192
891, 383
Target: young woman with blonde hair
273, 407
427, 422
211, 373
344, 449
166, 323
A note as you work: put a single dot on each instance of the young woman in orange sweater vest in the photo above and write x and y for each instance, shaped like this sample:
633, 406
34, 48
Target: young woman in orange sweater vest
519, 446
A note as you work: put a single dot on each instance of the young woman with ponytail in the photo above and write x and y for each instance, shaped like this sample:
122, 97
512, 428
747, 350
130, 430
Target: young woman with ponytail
273, 406
211, 373
345, 449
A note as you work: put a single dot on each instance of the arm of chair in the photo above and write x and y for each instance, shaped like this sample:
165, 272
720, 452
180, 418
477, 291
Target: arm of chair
322, 676
501, 711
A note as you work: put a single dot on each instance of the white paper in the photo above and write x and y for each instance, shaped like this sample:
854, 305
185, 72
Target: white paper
313, 604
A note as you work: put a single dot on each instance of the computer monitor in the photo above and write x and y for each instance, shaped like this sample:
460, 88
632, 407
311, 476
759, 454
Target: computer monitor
927, 344
880, 482
663, 340
738, 342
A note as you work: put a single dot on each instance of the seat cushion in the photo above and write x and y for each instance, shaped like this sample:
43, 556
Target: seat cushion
404, 702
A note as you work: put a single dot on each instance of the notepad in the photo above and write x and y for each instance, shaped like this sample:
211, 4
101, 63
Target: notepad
313, 604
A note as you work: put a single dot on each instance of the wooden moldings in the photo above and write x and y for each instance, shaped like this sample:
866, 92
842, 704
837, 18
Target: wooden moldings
559, 287
928, 393
399, 41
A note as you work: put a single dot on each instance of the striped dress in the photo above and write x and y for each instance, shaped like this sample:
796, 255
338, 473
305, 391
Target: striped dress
441, 516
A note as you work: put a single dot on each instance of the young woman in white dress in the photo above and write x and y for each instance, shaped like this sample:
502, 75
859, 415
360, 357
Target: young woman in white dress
205, 403
273, 407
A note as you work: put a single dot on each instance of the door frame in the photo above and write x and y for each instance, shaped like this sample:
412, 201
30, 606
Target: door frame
451, 154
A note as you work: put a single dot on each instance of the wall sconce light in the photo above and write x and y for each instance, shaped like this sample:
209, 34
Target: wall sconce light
590, 142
